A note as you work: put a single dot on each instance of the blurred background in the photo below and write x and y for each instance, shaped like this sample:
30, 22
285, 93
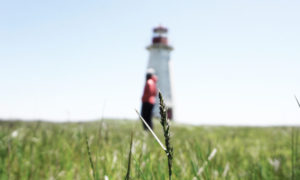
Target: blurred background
234, 62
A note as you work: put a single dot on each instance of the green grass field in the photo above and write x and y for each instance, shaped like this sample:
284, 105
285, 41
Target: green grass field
42, 150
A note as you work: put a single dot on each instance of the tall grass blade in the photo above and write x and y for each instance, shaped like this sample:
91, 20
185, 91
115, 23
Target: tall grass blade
166, 129
90, 156
159, 142
129, 158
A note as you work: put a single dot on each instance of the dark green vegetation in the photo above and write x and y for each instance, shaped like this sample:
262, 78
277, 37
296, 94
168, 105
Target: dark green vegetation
41, 150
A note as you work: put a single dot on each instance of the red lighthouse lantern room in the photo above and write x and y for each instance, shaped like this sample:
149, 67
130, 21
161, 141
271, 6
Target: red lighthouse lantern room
160, 35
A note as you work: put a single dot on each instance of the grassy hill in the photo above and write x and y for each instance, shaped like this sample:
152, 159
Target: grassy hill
43, 150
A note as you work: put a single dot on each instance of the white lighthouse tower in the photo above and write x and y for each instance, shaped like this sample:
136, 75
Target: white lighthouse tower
159, 60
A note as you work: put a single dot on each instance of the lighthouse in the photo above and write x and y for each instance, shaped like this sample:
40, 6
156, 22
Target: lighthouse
159, 60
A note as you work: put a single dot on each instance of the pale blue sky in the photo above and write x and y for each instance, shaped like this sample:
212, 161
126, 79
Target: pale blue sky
235, 62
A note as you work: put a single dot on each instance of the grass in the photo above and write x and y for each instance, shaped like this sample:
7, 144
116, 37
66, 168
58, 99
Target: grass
129, 158
294, 149
42, 150
166, 130
90, 157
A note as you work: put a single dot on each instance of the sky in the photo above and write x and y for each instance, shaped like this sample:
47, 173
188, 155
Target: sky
234, 62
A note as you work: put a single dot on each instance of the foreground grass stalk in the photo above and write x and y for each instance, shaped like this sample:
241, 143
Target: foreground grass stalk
129, 158
90, 156
154, 135
166, 129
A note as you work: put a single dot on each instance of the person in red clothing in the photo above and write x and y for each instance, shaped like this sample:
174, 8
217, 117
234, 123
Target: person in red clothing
149, 96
